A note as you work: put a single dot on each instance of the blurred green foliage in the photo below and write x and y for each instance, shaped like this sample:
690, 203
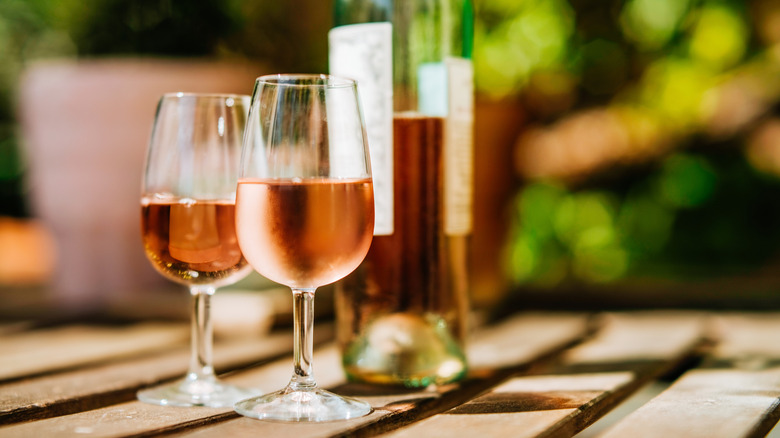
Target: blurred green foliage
602, 44
515, 38
693, 205
691, 215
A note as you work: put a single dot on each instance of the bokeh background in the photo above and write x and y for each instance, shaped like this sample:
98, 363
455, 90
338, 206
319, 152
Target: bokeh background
627, 152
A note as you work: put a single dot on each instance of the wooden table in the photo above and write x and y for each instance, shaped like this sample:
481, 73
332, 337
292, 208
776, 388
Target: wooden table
533, 375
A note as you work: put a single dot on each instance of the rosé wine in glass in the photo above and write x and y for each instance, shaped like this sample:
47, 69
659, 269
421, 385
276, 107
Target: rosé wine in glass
305, 233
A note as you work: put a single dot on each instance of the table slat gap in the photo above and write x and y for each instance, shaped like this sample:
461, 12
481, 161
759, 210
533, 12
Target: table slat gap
46, 351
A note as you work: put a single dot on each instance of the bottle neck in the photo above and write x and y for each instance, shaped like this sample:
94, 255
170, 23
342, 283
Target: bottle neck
425, 35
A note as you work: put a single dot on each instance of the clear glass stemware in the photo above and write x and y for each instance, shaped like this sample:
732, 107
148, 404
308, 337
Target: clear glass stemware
304, 216
188, 224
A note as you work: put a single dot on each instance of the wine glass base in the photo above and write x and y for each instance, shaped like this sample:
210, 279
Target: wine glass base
190, 392
302, 405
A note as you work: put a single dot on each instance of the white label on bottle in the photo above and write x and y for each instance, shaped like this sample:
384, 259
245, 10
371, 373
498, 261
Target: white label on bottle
459, 147
364, 52
344, 132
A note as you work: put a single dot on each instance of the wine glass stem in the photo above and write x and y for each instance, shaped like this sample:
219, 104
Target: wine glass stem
201, 367
303, 347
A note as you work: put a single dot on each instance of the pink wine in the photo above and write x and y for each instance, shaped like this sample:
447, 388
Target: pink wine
305, 233
193, 242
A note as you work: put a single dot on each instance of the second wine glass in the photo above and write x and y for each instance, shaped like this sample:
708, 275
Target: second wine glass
304, 216
188, 225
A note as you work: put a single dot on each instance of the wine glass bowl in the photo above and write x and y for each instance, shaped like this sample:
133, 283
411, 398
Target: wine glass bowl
188, 224
192, 242
319, 233
304, 216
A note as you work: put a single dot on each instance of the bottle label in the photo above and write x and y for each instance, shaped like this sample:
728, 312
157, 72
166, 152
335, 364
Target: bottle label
364, 52
459, 147
446, 89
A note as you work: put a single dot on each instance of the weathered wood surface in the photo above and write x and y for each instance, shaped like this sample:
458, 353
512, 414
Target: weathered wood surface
734, 393
533, 375
53, 349
14, 327
96, 386
519, 342
628, 351
539, 337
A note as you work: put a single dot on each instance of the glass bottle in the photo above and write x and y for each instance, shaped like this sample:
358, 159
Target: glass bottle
402, 316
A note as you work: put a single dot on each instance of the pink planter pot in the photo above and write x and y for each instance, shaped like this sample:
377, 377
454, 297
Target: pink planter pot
85, 128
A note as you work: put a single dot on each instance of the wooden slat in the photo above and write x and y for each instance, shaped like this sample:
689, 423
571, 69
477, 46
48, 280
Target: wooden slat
538, 339
641, 337
735, 393
522, 338
749, 339
631, 348
126, 419
15, 327
47, 350
708, 404
526, 406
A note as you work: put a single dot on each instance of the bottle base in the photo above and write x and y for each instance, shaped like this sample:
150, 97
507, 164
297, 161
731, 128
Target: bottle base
404, 349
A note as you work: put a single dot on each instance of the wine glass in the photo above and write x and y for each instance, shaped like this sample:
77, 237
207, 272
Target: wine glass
188, 224
304, 216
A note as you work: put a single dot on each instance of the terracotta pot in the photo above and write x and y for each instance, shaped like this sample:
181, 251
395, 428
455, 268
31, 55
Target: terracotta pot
85, 127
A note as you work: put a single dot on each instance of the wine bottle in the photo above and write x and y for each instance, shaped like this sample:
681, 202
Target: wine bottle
402, 315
